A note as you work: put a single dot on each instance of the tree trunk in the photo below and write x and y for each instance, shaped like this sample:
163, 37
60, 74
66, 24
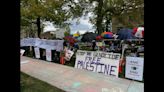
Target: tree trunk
107, 24
99, 17
108, 21
38, 26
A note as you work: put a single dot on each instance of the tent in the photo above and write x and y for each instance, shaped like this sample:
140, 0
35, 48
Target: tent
88, 37
125, 33
107, 35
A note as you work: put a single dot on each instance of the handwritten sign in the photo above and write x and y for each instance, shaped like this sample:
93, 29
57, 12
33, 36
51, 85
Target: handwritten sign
37, 52
99, 44
98, 61
48, 55
22, 52
134, 68
68, 55
60, 34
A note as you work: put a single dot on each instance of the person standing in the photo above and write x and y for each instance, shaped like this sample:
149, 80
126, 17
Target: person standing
93, 45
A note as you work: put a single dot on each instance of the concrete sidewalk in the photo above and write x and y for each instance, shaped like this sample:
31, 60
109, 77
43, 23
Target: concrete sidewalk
76, 80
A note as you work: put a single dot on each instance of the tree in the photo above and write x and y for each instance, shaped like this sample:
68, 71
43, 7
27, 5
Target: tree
56, 11
105, 10
37, 11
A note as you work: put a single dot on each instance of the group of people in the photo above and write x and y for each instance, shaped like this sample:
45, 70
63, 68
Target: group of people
117, 46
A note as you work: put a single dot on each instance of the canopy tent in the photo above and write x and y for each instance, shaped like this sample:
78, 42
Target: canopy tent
88, 37
125, 33
79, 38
76, 35
98, 38
70, 39
138, 32
107, 35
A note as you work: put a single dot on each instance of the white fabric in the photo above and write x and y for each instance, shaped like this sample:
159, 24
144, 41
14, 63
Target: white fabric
139, 32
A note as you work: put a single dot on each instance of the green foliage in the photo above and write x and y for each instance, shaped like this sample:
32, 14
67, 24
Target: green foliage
30, 84
120, 9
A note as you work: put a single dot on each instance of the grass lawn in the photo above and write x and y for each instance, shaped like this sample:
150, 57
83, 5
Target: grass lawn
30, 84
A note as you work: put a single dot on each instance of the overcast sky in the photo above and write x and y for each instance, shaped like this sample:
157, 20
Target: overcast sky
84, 25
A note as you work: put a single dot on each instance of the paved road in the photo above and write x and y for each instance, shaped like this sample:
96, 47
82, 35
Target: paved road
76, 80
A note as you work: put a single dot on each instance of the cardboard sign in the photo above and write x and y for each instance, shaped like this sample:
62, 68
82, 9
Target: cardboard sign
68, 55
99, 44
134, 68
37, 52
48, 55
22, 52
98, 61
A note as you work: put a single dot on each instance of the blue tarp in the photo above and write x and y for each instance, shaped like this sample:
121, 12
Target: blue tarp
125, 33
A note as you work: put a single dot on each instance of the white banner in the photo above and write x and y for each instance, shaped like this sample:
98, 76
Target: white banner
37, 52
48, 55
97, 61
28, 41
134, 68
43, 43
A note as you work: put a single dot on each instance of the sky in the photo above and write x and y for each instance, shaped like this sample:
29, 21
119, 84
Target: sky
82, 27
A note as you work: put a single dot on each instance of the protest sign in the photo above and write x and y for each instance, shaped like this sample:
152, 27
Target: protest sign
99, 44
98, 61
60, 34
22, 52
134, 68
68, 54
37, 52
28, 42
43, 43
48, 55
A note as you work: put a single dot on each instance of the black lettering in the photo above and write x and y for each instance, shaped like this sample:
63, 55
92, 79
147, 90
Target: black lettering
102, 55
101, 68
87, 65
111, 70
106, 69
86, 58
117, 57
79, 63
83, 65
89, 53
113, 57
91, 65
95, 54
133, 72
90, 58
110, 56
94, 59
97, 63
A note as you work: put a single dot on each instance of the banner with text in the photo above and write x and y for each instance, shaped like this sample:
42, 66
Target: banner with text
48, 55
98, 61
134, 68
37, 52
28, 41
43, 43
